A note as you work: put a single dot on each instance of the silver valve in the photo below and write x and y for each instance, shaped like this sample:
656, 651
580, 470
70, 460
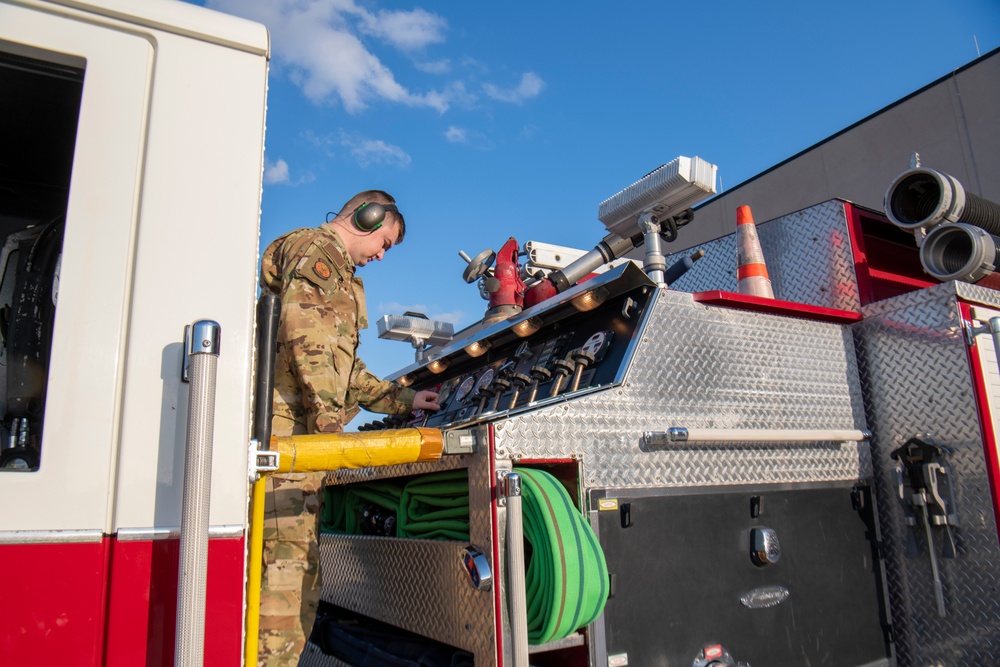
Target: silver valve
478, 265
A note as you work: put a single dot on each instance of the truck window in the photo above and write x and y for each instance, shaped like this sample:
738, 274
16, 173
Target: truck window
39, 114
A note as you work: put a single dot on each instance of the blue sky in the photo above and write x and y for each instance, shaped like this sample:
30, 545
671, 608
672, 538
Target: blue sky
491, 120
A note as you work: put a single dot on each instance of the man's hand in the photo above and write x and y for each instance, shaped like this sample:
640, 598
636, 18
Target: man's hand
426, 400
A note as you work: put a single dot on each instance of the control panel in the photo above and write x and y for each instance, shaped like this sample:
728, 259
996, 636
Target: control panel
573, 346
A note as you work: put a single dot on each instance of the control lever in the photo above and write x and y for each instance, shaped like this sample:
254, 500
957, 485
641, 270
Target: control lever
562, 368
520, 381
485, 394
920, 491
500, 387
539, 374
582, 359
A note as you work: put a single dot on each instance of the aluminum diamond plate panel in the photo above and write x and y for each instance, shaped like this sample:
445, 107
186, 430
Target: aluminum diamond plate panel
420, 585
914, 365
808, 255
705, 367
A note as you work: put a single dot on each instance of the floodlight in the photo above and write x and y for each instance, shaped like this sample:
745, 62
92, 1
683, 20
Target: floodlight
417, 330
665, 191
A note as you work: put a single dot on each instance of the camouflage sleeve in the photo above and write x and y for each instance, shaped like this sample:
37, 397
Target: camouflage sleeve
379, 395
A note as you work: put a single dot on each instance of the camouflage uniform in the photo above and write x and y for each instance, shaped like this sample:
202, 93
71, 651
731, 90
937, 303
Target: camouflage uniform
318, 385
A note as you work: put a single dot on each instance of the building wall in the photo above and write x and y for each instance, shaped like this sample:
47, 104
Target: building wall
952, 123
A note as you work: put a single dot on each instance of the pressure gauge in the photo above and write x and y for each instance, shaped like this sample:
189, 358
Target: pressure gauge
523, 350
465, 388
484, 380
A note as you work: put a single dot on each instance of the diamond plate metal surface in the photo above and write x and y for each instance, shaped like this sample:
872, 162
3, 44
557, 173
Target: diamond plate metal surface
708, 367
808, 256
914, 366
420, 585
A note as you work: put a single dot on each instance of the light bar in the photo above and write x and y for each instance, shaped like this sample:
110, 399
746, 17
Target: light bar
667, 190
412, 329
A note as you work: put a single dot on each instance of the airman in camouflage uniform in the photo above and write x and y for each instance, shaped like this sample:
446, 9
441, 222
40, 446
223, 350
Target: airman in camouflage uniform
319, 385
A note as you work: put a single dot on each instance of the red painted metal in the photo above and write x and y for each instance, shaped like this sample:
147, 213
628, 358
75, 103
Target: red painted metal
775, 306
52, 611
886, 258
113, 603
986, 424
507, 271
142, 603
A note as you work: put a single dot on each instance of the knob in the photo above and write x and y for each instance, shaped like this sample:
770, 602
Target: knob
583, 358
562, 368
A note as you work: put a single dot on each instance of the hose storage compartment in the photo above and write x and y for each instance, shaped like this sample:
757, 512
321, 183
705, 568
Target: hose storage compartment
566, 574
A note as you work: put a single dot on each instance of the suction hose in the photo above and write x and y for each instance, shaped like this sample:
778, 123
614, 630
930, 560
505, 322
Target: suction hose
960, 252
924, 198
961, 229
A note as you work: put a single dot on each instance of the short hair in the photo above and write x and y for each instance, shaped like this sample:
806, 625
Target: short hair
374, 197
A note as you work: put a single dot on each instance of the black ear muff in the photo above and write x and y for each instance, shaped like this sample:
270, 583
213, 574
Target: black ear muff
369, 216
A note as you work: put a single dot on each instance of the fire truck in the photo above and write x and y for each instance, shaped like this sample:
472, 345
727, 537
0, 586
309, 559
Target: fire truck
804, 478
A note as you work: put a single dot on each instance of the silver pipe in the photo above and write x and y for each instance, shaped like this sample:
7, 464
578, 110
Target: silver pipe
680, 435
192, 567
516, 589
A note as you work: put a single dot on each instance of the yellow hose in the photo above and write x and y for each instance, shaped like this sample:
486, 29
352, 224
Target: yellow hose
339, 451
327, 451
254, 570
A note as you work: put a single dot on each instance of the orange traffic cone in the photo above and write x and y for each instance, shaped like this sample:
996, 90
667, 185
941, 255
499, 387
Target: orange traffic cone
751, 275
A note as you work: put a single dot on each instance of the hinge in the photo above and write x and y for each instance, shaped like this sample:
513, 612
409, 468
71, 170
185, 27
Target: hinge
972, 329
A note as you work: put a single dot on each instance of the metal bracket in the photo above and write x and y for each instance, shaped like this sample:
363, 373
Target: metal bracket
185, 361
459, 441
262, 460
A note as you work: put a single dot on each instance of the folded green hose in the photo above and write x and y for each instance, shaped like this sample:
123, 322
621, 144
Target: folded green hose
566, 576
435, 507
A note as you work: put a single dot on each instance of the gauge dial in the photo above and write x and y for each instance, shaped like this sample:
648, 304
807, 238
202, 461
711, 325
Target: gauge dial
465, 388
485, 379
595, 343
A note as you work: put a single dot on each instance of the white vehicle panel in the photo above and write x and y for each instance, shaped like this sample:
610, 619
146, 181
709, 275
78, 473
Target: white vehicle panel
71, 489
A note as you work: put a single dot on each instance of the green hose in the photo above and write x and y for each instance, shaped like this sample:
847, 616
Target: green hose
435, 507
566, 575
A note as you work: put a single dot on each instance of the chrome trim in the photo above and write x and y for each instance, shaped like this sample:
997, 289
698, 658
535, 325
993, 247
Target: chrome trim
50, 536
174, 532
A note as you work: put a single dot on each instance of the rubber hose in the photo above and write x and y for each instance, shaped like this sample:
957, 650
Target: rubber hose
566, 573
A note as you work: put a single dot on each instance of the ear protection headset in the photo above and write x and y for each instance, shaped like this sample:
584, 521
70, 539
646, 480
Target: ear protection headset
370, 215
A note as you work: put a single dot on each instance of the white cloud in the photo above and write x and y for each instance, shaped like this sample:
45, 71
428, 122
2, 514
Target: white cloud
456, 135
375, 151
407, 31
275, 172
317, 41
472, 138
531, 85
434, 66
